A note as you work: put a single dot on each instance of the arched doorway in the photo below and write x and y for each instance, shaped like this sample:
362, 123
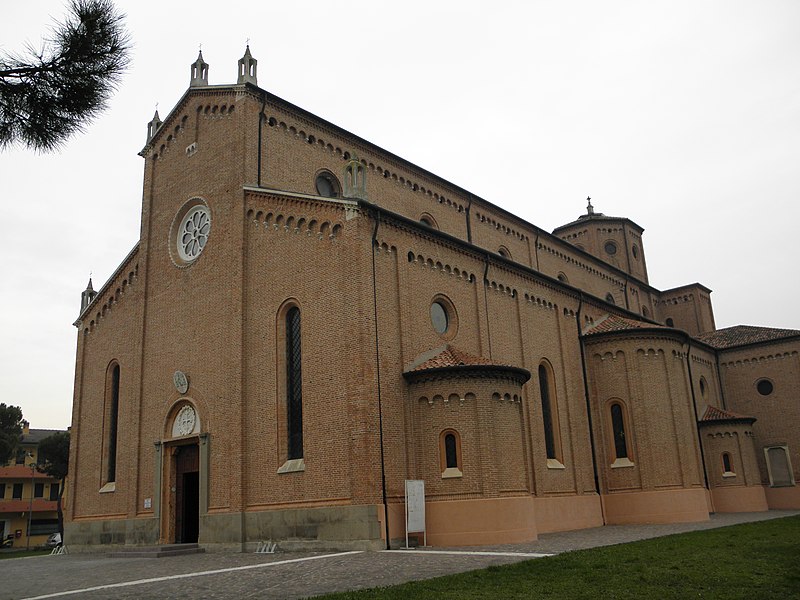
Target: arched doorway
186, 508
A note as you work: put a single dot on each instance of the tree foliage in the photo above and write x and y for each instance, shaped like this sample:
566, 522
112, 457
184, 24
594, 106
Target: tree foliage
10, 431
49, 94
54, 455
53, 460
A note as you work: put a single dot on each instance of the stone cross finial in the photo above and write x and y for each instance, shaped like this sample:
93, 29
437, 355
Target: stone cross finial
589, 207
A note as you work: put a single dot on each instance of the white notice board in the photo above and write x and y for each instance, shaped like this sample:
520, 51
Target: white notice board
415, 509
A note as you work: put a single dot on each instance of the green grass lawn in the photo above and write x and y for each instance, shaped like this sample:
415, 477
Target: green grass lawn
22, 553
752, 561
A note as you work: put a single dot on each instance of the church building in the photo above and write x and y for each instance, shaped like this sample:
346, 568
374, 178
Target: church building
308, 320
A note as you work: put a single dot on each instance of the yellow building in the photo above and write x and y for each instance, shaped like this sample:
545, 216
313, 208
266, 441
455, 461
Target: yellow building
27, 497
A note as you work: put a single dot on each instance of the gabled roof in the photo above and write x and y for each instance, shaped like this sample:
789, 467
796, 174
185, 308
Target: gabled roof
609, 323
743, 335
717, 414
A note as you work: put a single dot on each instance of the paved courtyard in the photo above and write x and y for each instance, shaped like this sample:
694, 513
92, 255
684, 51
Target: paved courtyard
297, 575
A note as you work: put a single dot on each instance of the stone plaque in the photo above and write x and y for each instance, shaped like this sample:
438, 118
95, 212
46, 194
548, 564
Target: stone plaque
181, 382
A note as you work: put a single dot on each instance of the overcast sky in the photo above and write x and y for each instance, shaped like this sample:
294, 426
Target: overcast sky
682, 116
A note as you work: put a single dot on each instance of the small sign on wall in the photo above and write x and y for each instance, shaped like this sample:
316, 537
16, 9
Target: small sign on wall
148, 503
415, 509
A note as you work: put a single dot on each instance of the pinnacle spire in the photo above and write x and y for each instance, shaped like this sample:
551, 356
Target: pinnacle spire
87, 295
199, 71
248, 67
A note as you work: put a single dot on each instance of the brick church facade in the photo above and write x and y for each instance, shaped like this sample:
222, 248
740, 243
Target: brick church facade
308, 320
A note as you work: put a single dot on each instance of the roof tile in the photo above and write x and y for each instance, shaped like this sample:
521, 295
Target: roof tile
611, 322
717, 414
742, 335
451, 357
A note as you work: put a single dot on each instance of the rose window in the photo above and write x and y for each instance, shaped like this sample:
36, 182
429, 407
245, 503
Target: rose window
193, 233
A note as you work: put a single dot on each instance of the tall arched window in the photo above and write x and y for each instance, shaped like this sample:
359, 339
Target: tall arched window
727, 464
294, 385
112, 420
450, 453
552, 442
451, 456
621, 449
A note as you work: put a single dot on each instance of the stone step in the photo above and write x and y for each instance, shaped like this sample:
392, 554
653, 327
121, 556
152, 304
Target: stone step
156, 551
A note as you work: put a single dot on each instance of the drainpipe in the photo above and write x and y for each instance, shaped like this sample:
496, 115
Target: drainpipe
694, 403
486, 301
378, 375
589, 410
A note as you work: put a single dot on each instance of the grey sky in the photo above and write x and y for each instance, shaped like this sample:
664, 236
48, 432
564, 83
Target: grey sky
682, 116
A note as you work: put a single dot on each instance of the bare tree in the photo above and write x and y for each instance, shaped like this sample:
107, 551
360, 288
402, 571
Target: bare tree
49, 94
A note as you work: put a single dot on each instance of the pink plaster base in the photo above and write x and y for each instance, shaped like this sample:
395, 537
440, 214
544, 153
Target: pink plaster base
566, 513
739, 499
662, 506
783, 498
484, 521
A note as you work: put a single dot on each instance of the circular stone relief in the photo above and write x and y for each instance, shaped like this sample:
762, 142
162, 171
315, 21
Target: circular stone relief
184, 421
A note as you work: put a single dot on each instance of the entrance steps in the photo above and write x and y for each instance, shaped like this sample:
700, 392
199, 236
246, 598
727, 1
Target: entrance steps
157, 551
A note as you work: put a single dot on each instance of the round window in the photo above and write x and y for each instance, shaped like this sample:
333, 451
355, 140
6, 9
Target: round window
611, 248
188, 234
439, 317
327, 186
193, 232
764, 387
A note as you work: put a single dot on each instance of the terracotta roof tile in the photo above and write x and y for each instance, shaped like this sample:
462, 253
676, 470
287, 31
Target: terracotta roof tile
742, 335
20, 472
717, 414
450, 357
616, 323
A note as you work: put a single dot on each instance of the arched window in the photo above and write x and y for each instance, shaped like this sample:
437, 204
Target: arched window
669, 322
622, 452
294, 385
450, 453
112, 419
610, 298
428, 220
327, 185
552, 442
727, 465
